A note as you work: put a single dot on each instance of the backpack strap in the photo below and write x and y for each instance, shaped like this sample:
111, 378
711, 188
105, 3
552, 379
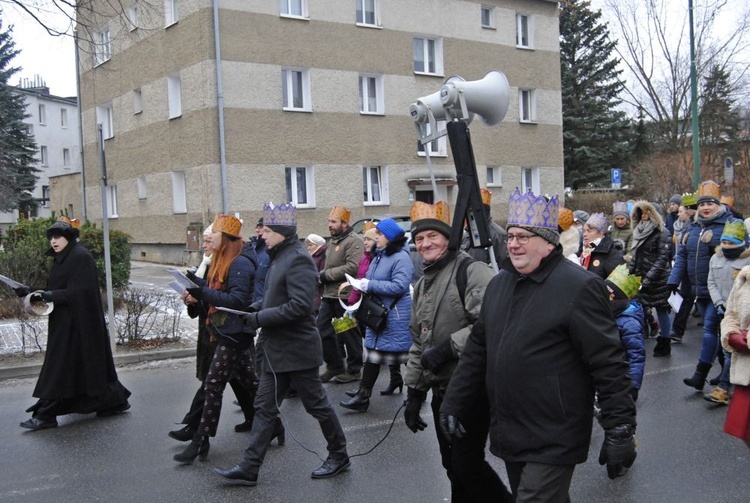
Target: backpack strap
462, 277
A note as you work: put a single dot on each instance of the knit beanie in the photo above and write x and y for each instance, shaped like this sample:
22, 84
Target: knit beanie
390, 229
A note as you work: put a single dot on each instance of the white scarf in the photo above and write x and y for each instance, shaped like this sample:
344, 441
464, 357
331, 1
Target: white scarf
201, 272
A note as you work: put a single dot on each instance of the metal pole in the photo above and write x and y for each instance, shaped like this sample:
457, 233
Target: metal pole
694, 105
105, 230
84, 214
220, 106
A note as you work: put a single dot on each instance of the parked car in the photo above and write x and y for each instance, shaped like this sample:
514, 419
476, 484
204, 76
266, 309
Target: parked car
404, 221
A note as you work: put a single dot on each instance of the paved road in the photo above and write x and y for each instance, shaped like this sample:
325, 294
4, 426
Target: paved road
683, 454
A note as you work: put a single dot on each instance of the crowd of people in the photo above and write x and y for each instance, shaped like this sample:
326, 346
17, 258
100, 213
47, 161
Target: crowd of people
561, 302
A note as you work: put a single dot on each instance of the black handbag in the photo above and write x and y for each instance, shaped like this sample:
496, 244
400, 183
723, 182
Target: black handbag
373, 313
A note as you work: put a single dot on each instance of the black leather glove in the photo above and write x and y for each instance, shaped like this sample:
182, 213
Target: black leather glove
451, 427
645, 282
322, 278
721, 309
618, 450
195, 293
22, 291
672, 287
437, 355
250, 322
190, 274
413, 404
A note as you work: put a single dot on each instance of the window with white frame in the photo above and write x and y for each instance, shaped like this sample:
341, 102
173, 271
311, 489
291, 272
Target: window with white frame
371, 94
43, 156
104, 117
367, 12
171, 12
524, 31
527, 105
111, 201
179, 197
530, 180
174, 95
488, 16
102, 46
137, 101
300, 186
142, 190
436, 148
296, 8
374, 185
295, 88
428, 55
494, 176
66, 157
45, 196
133, 16
64, 117
42, 115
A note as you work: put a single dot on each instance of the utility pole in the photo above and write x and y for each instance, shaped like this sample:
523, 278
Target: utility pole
694, 104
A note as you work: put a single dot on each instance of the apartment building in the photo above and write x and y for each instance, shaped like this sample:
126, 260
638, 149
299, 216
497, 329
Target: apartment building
214, 106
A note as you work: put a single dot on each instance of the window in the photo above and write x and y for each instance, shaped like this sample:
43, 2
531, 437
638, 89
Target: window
374, 185
171, 12
111, 201
102, 47
527, 105
137, 101
45, 196
42, 115
43, 157
64, 117
104, 117
66, 157
142, 192
438, 147
371, 94
488, 17
494, 176
530, 180
30, 129
174, 95
295, 86
524, 31
179, 200
297, 8
428, 55
367, 12
300, 186
133, 16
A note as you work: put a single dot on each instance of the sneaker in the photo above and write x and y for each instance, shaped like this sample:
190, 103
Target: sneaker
717, 395
329, 374
346, 377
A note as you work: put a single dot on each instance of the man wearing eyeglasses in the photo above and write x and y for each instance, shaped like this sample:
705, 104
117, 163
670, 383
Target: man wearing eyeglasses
545, 339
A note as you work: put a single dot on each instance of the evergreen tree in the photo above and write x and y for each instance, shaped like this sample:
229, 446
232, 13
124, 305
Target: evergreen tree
17, 146
719, 121
596, 136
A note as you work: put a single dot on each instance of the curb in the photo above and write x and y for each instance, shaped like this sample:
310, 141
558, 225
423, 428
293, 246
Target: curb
23, 371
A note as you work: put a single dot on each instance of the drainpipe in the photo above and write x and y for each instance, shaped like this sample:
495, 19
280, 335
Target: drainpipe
84, 215
220, 105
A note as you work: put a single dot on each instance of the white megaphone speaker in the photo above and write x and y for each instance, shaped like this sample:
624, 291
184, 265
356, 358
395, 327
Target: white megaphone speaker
488, 97
432, 106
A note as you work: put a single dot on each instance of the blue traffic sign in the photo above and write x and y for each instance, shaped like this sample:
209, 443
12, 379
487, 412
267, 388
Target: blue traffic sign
615, 175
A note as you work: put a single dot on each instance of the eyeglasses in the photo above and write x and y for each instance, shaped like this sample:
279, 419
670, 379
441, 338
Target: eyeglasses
521, 239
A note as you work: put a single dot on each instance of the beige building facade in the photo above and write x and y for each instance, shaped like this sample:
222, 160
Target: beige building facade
310, 103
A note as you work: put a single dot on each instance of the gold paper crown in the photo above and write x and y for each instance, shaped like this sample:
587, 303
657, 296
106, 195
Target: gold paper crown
622, 279
709, 189
340, 213
564, 218
438, 211
486, 197
689, 200
727, 200
75, 223
341, 325
227, 224
368, 225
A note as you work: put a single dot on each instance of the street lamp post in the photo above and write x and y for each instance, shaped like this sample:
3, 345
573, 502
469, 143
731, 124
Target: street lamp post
694, 104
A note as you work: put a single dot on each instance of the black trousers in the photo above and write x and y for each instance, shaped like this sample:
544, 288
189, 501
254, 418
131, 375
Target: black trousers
336, 347
683, 315
472, 479
533, 482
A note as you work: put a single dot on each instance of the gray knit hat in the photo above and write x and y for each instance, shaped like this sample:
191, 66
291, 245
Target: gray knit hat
677, 199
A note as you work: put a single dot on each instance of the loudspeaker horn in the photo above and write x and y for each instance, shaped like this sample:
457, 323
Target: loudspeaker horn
487, 97
432, 104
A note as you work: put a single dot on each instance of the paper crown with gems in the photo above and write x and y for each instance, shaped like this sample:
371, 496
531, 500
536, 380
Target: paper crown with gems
564, 218
620, 208
486, 197
368, 226
734, 232
689, 200
75, 223
598, 221
728, 200
426, 216
284, 214
528, 210
341, 213
709, 192
227, 224
628, 283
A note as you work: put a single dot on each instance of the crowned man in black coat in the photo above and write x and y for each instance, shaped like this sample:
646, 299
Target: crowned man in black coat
78, 374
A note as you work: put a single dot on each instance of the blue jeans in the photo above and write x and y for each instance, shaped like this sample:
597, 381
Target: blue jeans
711, 320
724, 378
665, 324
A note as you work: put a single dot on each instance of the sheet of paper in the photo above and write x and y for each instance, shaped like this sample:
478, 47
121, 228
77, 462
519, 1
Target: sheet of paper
11, 283
176, 286
182, 279
675, 300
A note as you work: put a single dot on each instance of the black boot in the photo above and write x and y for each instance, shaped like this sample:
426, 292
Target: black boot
198, 448
699, 378
663, 347
359, 403
183, 434
396, 380
279, 433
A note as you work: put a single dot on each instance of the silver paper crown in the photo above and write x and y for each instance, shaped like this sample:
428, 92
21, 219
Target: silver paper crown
528, 210
283, 214
620, 207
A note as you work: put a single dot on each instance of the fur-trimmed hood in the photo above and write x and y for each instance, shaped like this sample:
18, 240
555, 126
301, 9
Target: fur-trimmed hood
641, 207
